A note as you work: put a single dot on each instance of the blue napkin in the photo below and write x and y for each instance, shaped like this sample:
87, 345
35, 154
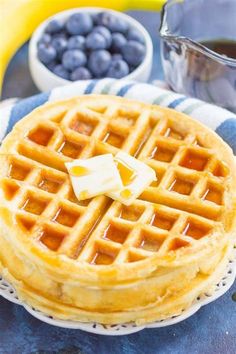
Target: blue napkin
218, 119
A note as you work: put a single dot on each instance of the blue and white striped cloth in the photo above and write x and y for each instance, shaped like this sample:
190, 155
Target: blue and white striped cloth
218, 119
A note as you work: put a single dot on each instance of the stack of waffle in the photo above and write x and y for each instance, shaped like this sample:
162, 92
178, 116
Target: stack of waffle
99, 260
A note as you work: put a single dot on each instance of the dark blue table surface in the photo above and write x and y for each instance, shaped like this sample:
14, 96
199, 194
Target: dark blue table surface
212, 330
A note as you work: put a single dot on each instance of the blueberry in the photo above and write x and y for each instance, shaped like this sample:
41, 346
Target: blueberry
60, 44
59, 70
80, 23
99, 62
116, 57
118, 69
96, 18
76, 42
135, 35
73, 58
54, 26
118, 41
133, 52
81, 73
131, 68
52, 65
105, 33
46, 53
95, 41
45, 38
113, 23
61, 34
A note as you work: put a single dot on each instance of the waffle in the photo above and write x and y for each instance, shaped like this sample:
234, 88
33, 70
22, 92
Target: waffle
92, 259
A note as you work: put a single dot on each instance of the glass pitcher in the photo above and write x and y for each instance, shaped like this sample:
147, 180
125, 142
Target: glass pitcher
190, 66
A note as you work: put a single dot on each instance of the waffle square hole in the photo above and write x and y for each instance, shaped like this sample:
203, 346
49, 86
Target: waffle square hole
134, 257
159, 176
98, 109
51, 238
197, 142
151, 242
162, 221
82, 126
172, 133
194, 160
103, 256
115, 234
140, 144
34, 205
59, 116
72, 198
126, 116
70, 149
17, 171
220, 170
66, 217
181, 186
10, 189
113, 139
130, 213
178, 243
26, 223
41, 135
125, 121
161, 153
213, 194
50, 184
195, 229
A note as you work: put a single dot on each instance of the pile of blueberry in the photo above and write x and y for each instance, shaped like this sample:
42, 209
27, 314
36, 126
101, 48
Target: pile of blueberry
90, 46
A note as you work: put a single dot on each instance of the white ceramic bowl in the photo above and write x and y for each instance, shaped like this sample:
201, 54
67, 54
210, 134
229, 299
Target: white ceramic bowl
45, 80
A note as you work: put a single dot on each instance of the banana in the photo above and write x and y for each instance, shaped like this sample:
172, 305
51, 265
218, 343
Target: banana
19, 18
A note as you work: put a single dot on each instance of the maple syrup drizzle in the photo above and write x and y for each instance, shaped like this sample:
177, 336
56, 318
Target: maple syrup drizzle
34, 206
126, 193
162, 222
66, 217
113, 139
50, 185
70, 149
51, 239
84, 195
213, 195
180, 186
173, 134
150, 244
82, 127
41, 136
162, 154
130, 214
101, 258
115, 234
79, 171
194, 161
195, 231
127, 174
178, 243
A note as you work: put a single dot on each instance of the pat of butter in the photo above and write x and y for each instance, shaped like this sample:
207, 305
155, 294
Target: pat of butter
95, 176
135, 176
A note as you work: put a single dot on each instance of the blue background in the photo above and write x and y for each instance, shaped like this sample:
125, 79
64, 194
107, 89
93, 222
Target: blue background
211, 330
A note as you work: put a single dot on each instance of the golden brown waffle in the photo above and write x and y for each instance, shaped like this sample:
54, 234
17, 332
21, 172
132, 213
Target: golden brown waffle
96, 253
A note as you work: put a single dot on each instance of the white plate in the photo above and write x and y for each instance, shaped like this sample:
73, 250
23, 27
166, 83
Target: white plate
9, 293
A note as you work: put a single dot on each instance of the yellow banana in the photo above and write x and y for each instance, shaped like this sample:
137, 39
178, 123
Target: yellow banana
19, 18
